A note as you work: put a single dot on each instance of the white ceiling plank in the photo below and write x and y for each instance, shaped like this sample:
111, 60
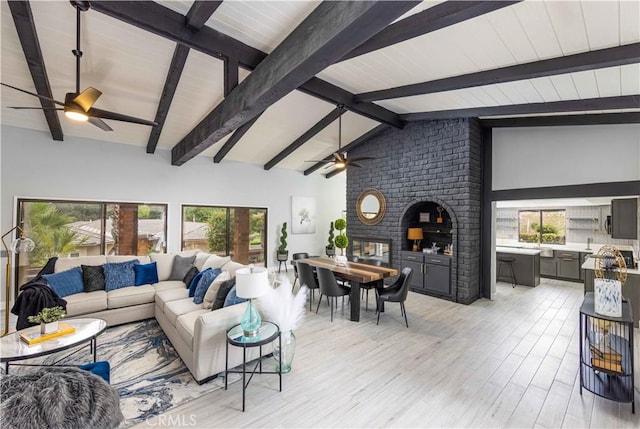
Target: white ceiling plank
564, 88
586, 84
545, 88
602, 20
608, 81
629, 21
630, 79
512, 34
569, 26
536, 23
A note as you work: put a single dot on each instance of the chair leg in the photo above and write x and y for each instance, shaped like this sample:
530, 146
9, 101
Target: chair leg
366, 302
378, 318
404, 312
319, 302
331, 306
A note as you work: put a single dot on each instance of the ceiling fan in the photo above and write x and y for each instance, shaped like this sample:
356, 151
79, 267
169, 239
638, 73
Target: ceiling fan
340, 160
79, 105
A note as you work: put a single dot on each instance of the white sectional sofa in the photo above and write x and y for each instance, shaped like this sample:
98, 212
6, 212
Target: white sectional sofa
198, 334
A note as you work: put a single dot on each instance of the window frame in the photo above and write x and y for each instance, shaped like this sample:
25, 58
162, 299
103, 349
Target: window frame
540, 217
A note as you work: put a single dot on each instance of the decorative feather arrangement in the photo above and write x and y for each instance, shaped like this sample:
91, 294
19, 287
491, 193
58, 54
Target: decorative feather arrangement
283, 307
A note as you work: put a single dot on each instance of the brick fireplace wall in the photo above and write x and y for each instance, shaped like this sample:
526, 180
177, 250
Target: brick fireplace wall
438, 161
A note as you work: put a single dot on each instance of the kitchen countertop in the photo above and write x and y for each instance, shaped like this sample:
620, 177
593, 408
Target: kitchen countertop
589, 264
518, 251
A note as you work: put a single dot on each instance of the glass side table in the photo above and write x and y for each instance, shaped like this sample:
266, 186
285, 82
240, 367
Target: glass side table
267, 333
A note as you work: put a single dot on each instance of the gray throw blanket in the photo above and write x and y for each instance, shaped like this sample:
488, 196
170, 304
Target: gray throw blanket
58, 398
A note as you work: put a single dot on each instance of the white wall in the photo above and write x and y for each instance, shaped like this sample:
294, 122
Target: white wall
33, 165
554, 156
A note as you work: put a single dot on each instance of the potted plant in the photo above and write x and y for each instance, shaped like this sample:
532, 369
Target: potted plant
283, 253
48, 319
330, 249
341, 241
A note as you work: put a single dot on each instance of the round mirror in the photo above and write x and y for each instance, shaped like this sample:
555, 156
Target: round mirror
371, 206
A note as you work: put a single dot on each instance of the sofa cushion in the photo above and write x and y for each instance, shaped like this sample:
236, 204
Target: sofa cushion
232, 267
63, 264
175, 309
232, 298
181, 264
215, 261
165, 263
168, 284
210, 296
201, 258
86, 302
128, 296
222, 293
146, 274
125, 258
168, 295
93, 277
205, 281
66, 282
119, 274
185, 325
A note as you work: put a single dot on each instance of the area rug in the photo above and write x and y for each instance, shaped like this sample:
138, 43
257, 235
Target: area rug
146, 370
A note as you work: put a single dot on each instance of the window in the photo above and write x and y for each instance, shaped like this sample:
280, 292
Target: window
542, 226
69, 229
239, 232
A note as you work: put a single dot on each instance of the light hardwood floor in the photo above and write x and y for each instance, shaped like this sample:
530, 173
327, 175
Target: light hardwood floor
511, 362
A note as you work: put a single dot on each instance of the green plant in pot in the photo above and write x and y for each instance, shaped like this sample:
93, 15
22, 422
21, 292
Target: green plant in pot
48, 319
330, 249
283, 253
341, 241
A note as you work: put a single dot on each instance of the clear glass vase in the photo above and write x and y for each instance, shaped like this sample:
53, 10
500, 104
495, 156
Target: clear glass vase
288, 350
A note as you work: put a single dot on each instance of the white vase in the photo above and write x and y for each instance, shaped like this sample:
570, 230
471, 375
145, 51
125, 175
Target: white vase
48, 328
341, 260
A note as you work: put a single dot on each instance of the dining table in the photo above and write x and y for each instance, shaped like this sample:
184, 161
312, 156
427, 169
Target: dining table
356, 273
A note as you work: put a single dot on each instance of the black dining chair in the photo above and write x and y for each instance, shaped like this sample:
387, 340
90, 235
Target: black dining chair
365, 287
397, 292
330, 288
308, 278
296, 256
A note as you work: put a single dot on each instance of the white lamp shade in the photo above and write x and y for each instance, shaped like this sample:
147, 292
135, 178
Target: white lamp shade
252, 282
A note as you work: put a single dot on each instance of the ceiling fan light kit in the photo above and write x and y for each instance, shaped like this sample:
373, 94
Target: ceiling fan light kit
78, 106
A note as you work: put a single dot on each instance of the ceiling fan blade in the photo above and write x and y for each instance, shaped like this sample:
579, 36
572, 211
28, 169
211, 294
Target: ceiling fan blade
33, 93
104, 114
99, 123
361, 158
338, 157
87, 98
34, 108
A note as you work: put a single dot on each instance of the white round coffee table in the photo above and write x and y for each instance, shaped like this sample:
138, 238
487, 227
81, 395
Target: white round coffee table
13, 349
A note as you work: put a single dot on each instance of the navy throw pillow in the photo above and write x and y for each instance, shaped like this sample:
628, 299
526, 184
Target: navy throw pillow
194, 283
119, 274
146, 273
232, 298
203, 284
66, 282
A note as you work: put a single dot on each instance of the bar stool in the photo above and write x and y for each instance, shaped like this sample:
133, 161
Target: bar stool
508, 260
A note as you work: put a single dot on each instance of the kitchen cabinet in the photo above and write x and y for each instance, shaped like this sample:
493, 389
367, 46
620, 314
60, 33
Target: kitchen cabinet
526, 267
548, 267
568, 264
624, 218
431, 273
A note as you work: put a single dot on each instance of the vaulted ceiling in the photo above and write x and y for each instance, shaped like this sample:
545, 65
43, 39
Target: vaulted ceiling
179, 63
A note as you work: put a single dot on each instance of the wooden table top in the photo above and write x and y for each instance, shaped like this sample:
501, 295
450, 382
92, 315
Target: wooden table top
354, 271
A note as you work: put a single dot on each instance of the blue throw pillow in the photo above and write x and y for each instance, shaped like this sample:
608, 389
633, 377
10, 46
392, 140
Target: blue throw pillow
232, 298
67, 282
203, 284
146, 273
119, 274
101, 369
194, 283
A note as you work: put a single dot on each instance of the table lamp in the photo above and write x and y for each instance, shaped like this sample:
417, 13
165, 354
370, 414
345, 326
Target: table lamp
22, 244
251, 283
415, 234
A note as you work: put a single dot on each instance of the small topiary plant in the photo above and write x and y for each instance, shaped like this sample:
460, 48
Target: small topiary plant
331, 236
48, 315
341, 241
283, 239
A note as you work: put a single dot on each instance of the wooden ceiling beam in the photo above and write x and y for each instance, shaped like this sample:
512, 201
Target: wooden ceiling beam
563, 120
605, 103
331, 30
23, 19
434, 18
346, 148
198, 14
234, 139
157, 19
609, 57
308, 135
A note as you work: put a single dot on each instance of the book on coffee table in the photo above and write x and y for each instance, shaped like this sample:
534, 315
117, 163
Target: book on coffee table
35, 337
